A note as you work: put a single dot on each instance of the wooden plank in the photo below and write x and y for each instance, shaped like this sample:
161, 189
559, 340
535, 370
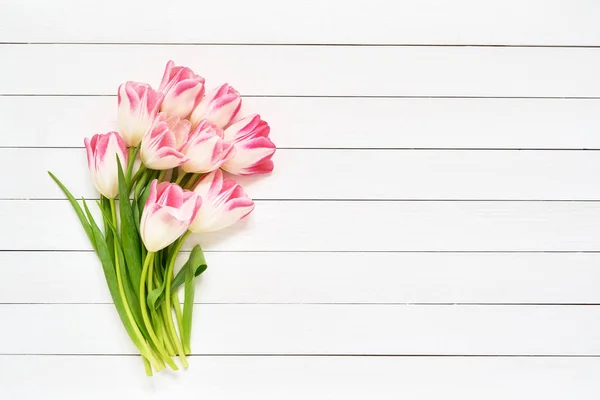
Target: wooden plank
56, 277
318, 329
300, 378
346, 226
299, 122
358, 174
537, 22
310, 70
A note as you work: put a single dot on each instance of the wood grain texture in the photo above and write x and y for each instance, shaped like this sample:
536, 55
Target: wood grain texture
300, 378
346, 226
318, 329
310, 70
394, 278
357, 174
537, 22
316, 122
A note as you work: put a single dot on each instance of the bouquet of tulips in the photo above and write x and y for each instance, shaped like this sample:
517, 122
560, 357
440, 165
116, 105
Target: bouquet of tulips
165, 165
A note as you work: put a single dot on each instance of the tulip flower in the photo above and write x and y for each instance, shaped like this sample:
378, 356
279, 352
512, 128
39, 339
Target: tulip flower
205, 149
183, 90
167, 214
161, 146
138, 108
218, 106
102, 162
253, 148
224, 202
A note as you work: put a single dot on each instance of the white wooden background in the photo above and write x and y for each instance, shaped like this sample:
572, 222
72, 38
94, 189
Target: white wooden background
431, 230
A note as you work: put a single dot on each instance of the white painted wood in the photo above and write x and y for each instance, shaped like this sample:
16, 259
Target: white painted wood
318, 329
356, 174
298, 122
76, 277
537, 22
300, 378
310, 70
346, 226
325, 277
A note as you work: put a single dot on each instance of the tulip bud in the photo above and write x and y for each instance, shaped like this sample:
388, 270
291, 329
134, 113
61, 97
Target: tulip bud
218, 106
183, 90
224, 202
161, 146
205, 149
167, 214
253, 148
138, 108
102, 162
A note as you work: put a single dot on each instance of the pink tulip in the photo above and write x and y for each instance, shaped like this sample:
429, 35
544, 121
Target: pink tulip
183, 90
167, 214
102, 161
224, 202
253, 148
218, 106
205, 149
138, 107
161, 146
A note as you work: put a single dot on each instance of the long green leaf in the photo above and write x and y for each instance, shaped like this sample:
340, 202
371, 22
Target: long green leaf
109, 235
109, 273
130, 294
196, 264
77, 208
130, 239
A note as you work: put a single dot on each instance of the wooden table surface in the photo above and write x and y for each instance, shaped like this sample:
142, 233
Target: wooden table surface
431, 229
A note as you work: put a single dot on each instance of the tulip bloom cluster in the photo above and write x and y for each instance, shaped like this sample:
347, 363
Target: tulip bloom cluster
183, 139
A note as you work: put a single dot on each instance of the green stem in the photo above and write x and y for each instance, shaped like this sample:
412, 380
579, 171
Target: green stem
185, 180
147, 366
142, 183
161, 175
141, 342
171, 335
180, 177
157, 344
167, 339
132, 155
169, 278
179, 317
136, 177
192, 181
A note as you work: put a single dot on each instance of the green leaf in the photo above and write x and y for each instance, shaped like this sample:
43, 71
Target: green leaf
128, 286
109, 235
196, 263
154, 296
78, 210
109, 273
130, 239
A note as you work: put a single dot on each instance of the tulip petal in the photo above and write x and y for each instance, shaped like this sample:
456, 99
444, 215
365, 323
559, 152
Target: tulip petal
167, 214
224, 202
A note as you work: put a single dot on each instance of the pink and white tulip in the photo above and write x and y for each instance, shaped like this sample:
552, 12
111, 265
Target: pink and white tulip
183, 90
205, 149
102, 161
219, 106
161, 146
138, 108
253, 148
224, 202
167, 214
